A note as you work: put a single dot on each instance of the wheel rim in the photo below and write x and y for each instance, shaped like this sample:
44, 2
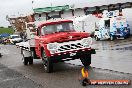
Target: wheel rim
45, 61
111, 37
96, 38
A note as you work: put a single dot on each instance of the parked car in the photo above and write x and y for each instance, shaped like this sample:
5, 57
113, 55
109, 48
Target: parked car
112, 27
15, 39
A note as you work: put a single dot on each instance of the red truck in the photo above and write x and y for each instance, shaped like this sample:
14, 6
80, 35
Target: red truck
57, 41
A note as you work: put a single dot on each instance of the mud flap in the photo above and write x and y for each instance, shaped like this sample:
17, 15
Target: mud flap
93, 51
0, 55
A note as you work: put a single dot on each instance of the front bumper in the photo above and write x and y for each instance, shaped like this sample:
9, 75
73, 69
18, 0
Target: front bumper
72, 55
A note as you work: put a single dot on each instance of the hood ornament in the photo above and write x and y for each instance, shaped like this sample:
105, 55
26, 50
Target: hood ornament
70, 37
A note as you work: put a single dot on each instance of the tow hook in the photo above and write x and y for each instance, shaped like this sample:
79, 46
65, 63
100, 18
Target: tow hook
84, 80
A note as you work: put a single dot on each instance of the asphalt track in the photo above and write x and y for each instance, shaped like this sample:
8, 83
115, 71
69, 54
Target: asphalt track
13, 74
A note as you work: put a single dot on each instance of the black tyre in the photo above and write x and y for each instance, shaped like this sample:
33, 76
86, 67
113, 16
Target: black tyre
25, 60
85, 82
30, 60
96, 38
127, 36
112, 37
47, 63
86, 61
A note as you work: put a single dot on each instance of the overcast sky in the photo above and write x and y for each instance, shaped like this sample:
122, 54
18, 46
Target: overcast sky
11, 7
17, 7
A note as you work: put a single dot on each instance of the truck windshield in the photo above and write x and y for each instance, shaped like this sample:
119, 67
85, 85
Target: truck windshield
55, 28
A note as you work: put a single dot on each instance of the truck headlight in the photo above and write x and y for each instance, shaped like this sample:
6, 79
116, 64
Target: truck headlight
52, 47
86, 42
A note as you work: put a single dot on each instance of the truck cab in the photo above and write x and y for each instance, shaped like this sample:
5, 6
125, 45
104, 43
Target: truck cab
57, 41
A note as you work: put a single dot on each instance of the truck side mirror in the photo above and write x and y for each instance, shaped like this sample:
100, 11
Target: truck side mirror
36, 33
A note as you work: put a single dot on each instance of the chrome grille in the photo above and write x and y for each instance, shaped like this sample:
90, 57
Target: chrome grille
70, 47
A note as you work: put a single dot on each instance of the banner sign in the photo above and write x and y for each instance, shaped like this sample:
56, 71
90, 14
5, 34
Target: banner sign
50, 9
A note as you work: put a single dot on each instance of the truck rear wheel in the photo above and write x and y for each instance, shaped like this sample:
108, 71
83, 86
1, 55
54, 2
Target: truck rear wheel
30, 60
47, 63
86, 60
25, 60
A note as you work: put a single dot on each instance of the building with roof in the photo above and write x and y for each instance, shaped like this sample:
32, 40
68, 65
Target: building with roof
45, 9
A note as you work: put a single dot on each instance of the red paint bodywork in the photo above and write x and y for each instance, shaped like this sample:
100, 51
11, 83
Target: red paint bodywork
54, 22
42, 41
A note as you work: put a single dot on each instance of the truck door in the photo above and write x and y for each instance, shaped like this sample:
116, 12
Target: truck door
107, 24
37, 42
107, 28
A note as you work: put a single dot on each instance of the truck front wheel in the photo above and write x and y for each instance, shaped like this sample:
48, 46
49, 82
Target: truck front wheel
30, 59
47, 63
86, 60
24, 59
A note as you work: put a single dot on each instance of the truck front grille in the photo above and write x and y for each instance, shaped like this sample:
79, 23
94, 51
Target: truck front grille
70, 47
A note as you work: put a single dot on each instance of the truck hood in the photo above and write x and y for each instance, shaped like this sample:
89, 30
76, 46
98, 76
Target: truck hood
64, 37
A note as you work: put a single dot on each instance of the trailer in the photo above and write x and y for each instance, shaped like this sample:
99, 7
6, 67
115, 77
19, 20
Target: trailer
85, 23
112, 26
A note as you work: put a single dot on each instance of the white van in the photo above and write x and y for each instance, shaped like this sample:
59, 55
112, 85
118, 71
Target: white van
15, 39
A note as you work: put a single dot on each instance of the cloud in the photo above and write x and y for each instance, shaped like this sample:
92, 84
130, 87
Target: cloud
13, 7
